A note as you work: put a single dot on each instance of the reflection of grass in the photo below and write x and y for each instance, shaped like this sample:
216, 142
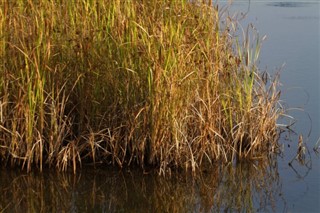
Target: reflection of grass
249, 183
245, 187
162, 83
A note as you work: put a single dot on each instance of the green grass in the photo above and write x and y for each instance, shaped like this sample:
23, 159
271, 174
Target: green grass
152, 83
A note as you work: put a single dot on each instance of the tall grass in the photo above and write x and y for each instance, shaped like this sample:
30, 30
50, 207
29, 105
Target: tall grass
153, 83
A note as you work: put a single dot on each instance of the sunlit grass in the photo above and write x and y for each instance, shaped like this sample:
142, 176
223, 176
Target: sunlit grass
160, 83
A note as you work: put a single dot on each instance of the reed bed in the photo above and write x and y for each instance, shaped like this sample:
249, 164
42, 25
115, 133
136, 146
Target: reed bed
165, 84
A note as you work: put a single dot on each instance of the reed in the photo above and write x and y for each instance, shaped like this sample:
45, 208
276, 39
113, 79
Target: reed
165, 84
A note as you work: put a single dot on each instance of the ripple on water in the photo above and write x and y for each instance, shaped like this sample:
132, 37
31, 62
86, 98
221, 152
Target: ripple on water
288, 4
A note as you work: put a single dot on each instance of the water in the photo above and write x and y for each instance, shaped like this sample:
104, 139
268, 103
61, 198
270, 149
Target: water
292, 44
292, 29
246, 187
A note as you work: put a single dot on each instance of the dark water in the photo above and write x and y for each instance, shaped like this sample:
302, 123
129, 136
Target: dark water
292, 29
247, 187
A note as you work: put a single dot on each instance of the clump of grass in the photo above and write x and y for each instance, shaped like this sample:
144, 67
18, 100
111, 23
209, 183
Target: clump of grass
160, 83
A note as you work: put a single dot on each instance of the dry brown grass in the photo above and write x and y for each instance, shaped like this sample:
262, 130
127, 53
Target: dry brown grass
157, 83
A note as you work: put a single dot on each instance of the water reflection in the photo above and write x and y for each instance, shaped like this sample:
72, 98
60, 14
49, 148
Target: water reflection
245, 187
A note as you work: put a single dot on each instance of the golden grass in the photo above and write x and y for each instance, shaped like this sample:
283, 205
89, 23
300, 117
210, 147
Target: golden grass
154, 83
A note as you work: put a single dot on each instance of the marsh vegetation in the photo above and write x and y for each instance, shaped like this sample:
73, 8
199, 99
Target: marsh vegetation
166, 84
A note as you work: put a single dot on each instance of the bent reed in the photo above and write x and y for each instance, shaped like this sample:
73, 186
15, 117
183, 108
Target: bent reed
165, 84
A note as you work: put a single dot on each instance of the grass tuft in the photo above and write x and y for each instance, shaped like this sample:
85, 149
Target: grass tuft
153, 83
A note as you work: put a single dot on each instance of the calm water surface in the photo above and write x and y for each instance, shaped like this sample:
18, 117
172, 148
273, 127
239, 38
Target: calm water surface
292, 29
293, 44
